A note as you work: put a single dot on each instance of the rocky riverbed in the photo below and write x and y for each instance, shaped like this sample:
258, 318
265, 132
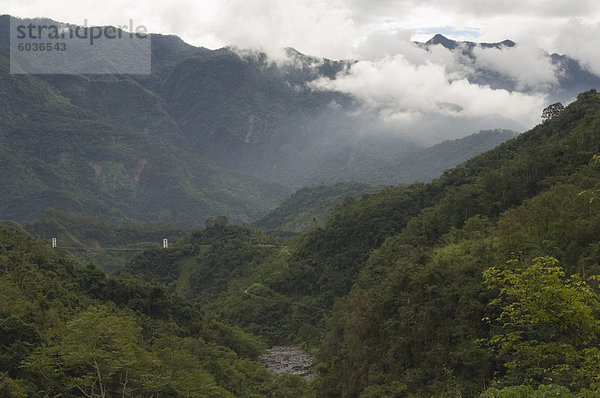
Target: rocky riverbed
288, 360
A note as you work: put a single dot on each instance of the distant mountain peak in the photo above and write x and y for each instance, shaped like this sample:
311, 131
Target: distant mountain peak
443, 40
508, 43
452, 44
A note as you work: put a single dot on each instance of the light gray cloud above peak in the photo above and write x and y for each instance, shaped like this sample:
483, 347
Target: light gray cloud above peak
580, 40
538, 8
314, 27
329, 28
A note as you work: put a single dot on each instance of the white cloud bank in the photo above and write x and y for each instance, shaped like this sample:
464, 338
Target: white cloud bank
312, 27
401, 91
581, 41
528, 65
333, 28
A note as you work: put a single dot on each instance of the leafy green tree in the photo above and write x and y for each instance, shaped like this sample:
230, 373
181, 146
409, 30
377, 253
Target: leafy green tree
392, 390
289, 386
552, 111
548, 328
95, 354
524, 391
308, 335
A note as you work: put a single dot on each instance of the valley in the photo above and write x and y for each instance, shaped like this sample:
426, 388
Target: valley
317, 247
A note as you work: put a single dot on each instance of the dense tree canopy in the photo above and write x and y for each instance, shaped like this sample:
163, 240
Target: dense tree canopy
446, 289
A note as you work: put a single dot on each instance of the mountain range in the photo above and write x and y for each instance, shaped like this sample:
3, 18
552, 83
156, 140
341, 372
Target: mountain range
207, 133
573, 78
406, 291
442, 270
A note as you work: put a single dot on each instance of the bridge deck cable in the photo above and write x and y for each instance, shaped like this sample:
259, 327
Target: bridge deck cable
78, 248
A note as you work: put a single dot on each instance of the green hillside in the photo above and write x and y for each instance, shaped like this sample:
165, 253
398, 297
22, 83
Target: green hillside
310, 206
75, 152
227, 269
72, 331
441, 289
108, 245
314, 204
418, 303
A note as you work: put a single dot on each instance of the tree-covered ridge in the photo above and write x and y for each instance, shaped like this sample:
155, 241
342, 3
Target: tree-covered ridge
108, 245
485, 185
310, 206
419, 316
235, 271
72, 331
392, 288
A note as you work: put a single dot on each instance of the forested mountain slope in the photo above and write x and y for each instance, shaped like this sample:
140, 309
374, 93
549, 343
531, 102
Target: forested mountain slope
486, 185
419, 318
108, 245
315, 204
310, 206
58, 154
68, 330
403, 289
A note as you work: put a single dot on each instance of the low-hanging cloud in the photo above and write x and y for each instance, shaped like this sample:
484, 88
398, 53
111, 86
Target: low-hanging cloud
407, 84
379, 46
529, 66
580, 41
402, 92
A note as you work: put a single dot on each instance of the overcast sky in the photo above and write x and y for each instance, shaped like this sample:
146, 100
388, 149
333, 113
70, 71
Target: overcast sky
379, 34
333, 28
